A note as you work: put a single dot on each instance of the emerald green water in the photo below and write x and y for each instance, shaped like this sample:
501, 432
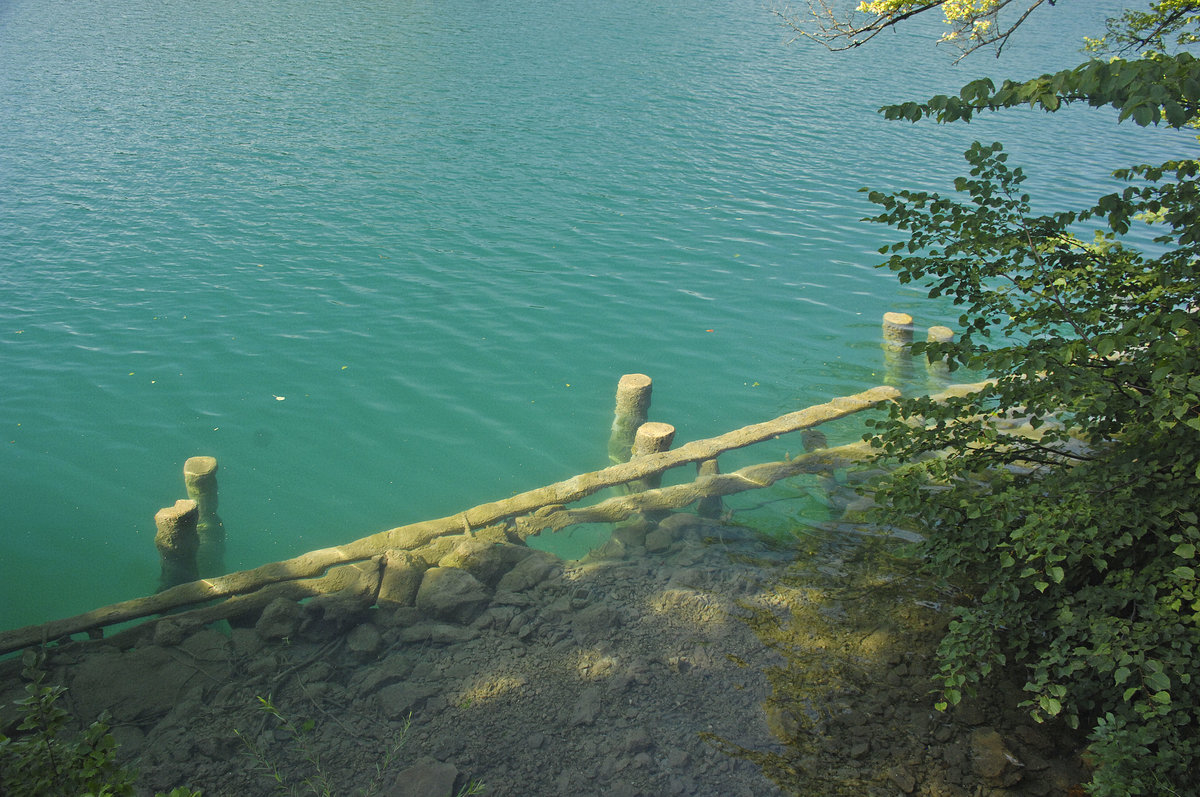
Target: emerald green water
387, 260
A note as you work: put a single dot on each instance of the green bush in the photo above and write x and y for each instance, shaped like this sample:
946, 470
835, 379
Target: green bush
1077, 540
1079, 536
44, 759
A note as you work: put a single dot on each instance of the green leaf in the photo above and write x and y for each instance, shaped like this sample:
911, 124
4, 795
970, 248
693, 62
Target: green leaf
1157, 681
1050, 705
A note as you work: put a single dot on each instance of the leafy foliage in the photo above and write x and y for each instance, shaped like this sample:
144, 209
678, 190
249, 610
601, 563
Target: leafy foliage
45, 760
1157, 88
1065, 492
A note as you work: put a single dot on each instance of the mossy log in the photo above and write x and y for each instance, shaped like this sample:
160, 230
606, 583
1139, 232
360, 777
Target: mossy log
360, 581
315, 563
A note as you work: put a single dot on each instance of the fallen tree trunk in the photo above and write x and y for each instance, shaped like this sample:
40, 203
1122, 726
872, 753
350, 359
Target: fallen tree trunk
752, 477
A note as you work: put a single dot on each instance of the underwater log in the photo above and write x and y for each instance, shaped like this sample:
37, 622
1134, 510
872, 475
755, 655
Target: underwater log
177, 542
200, 479
633, 406
751, 477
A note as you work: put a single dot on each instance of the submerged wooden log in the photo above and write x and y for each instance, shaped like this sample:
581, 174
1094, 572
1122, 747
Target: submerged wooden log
705, 487
315, 563
359, 581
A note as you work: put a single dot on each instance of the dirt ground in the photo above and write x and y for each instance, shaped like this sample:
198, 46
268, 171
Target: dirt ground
686, 657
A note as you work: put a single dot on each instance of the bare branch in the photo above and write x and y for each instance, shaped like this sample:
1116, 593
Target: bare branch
970, 31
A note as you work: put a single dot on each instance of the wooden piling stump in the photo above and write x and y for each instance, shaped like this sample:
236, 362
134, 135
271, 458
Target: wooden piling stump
633, 405
939, 371
710, 506
897, 340
177, 542
200, 479
651, 438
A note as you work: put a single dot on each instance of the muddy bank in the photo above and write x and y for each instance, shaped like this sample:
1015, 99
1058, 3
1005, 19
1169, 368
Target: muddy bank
684, 658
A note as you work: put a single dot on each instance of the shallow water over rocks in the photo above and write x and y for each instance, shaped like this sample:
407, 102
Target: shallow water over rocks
626, 673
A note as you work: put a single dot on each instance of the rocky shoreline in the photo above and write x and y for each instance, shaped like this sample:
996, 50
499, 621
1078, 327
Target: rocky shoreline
685, 657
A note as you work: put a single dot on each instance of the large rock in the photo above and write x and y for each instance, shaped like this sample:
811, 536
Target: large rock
400, 700
401, 579
992, 760
529, 572
450, 594
280, 619
143, 684
486, 560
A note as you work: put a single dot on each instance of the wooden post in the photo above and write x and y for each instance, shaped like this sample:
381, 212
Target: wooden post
939, 371
200, 479
651, 438
710, 506
633, 405
177, 543
897, 337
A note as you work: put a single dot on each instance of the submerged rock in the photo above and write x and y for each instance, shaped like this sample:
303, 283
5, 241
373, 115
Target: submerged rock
280, 619
450, 594
487, 561
401, 579
426, 778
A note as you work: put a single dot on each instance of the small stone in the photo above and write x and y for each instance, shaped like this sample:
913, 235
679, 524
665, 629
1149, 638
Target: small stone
487, 561
638, 741
399, 700
633, 535
613, 549
587, 707
903, 778
364, 640
438, 633
678, 759
659, 540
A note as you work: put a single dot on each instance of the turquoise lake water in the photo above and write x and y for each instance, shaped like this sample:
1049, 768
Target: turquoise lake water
388, 260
